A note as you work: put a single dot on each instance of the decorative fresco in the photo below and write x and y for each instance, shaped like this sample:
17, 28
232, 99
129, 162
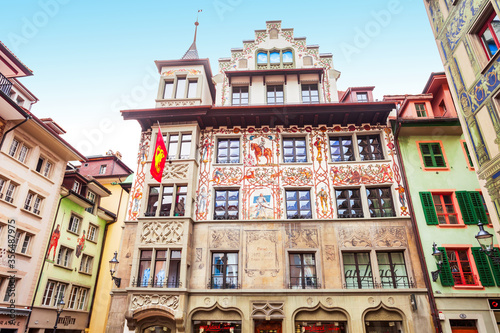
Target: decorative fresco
261, 176
140, 177
299, 47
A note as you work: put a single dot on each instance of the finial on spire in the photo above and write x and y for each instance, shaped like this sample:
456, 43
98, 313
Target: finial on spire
192, 52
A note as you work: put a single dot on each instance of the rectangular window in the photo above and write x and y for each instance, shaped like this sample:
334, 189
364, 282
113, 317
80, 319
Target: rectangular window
275, 95
59, 294
310, 93
298, 204
240, 96
72, 297
303, 271
48, 295
362, 97
357, 270
74, 224
102, 169
46, 170
17, 237
294, 150
420, 108
445, 208
461, 267
485, 209
349, 203
341, 148
2, 186
432, 155
9, 194
76, 187
39, 164
92, 197
174, 269
37, 205
86, 264
64, 256
26, 244
152, 201
13, 148
181, 88
92, 233
467, 156
185, 146
228, 150
144, 277
160, 268
82, 298
180, 201
224, 270
192, 88
166, 201
10, 292
392, 270
169, 90
226, 205
369, 147
28, 201
380, 202
23, 153
489, 35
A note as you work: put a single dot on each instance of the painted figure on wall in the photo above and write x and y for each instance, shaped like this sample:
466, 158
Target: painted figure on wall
137, 200
202, 200
217, 178
54, 239
261, 208
319, 146
323, 198
80, 245
260, 150
205, 149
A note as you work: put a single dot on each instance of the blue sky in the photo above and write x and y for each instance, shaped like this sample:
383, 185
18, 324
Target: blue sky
91, 59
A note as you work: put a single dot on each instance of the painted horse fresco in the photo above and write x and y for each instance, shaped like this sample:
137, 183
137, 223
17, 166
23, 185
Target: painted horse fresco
259, 152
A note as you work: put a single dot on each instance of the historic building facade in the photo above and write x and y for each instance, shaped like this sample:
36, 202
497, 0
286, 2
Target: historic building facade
467, 39
447, 203
33, 158
280, 209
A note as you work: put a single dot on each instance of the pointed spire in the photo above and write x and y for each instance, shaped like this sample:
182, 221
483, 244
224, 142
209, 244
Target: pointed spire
192, 52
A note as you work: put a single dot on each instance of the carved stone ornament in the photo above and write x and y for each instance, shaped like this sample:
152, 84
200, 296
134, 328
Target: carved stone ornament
302, 238
330, 252
199, 254
268, 310
169, 301
175, 171
224, 238
374, 236
155, 232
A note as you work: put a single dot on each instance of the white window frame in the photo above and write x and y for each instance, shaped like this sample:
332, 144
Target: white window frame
71, 223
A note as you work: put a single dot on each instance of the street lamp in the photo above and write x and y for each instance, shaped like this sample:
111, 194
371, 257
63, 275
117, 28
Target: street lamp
485, 240
60, 308
438, 257
113, 265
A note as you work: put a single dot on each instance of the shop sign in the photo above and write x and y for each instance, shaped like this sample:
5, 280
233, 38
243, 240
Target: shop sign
321, 328
494, 304
66, 321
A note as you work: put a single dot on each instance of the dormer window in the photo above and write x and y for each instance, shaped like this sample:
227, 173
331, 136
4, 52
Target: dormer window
76, 187
362, 97
179, 88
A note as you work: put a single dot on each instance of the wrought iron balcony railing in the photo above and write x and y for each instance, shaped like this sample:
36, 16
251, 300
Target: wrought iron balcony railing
384, 285
221, 283
155, 283
5, 85
309, 282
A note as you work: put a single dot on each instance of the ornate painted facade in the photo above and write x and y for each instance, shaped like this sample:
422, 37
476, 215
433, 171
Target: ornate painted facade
280, 208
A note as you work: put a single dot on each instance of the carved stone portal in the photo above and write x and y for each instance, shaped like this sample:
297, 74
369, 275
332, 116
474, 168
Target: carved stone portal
155, 232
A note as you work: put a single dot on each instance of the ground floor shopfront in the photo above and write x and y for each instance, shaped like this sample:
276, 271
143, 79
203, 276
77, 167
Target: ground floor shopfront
13, 320
43, 320
352, 311
469, 313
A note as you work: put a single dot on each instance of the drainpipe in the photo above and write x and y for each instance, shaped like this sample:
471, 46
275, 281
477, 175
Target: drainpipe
43, 265
100, 256
13, 128
432, 300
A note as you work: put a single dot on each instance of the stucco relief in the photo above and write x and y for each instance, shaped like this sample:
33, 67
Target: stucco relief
268, 310
354, 237
156, 232
373, 237
302, 238
224, 238
199, 254
139, 301
330, 252
175, 171
261, 252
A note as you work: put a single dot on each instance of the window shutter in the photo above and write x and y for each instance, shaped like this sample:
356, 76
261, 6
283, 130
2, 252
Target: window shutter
445, 274
495, 268
477, 204
483, 268
466, 207
428, 206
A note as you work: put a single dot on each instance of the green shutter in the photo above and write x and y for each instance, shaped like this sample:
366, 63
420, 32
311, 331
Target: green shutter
445, 274
468, 154
477, 204
428, 207
466, 207
483, 268
495, 268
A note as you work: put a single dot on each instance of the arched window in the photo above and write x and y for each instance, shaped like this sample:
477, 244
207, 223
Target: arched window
275, 57
287, 57
262, 58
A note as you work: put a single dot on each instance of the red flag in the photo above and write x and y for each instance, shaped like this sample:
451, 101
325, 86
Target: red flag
159, 157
